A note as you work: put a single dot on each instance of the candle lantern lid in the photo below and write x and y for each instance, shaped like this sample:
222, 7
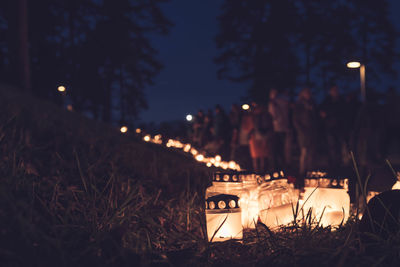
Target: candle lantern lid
322, 180
227, 177
273, 176
223, 202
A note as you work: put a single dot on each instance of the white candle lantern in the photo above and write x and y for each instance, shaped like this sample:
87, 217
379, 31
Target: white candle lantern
224, 218
276, 200
231, 183
327, 198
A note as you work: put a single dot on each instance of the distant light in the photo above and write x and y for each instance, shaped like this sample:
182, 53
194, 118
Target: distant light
189, 117
61, 88
353, 64
245, 106
138, 130
200, 157
218, 158
146, 138
69, 107
123, 129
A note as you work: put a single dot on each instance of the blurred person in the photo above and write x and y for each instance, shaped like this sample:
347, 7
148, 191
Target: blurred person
207, 128
278, 108
260, 137
234, 119
221, 130
392, 122
305, 123
332, 114
198, 125
368, 132
352, 106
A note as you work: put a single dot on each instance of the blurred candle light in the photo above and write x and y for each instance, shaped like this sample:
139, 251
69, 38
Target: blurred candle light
123, 129
200, 157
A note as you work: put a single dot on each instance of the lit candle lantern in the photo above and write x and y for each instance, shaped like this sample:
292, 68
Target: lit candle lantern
232, 183
276, 200
397, 184
327, 198
224, 219
249, 200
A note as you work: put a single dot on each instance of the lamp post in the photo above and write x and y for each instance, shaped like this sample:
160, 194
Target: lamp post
63, 92
356, 65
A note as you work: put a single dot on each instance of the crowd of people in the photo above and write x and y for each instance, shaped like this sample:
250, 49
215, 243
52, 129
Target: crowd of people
300, 135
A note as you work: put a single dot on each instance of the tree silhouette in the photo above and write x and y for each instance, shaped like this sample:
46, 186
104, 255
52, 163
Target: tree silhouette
255, 43
302, 42
99, 50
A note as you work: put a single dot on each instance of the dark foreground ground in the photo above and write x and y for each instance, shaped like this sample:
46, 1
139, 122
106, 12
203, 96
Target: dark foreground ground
74, 192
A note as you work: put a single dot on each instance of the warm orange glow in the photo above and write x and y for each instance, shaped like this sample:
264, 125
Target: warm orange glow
331, 203
147, 138
218, 158
123, 129
229, 225
69, 107
187, 148
138, 130
193, 151
245, 106
209, 164
353, 64
200, 157
61, 88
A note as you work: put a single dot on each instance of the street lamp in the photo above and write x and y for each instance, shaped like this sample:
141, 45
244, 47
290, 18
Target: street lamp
124, 129
189, 117
356, 65
245, 106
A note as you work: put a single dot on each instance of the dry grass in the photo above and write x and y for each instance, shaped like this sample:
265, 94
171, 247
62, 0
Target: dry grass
76, 193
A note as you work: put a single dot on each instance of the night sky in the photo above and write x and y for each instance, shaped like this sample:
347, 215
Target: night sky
189, 81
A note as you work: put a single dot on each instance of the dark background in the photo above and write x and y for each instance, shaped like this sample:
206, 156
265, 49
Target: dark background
189, 81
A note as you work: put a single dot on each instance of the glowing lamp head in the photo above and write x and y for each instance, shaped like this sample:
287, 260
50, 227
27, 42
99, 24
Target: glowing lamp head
245, 107
61, 88
123, 129
189, 117
138, 130
353, 65
146, 138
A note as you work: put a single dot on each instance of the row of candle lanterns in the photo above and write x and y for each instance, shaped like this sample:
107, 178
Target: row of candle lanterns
238, 200
188, 148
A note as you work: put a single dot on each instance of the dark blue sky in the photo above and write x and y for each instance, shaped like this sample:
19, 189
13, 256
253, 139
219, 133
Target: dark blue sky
189, 82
